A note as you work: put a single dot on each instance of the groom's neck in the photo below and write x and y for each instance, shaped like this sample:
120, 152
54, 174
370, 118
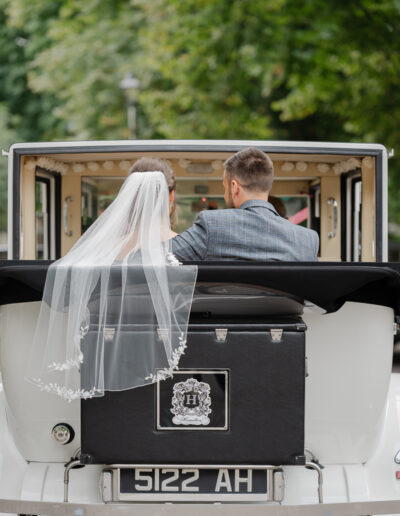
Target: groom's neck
250, 196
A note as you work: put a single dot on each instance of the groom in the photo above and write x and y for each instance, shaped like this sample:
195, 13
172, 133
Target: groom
250, 229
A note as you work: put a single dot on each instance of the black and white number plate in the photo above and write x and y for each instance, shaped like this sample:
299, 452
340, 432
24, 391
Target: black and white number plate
188, 483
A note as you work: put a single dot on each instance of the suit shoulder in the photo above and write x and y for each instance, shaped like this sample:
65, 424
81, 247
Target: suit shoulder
310, 234
303, 229
209, 216
304, 232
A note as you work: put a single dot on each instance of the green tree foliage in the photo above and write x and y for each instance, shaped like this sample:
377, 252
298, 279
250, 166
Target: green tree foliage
297, 69
294, 69
90, 45
21, 39
291, 68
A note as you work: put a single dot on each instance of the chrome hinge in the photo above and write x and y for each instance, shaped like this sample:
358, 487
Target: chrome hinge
221, 334
109, 333
276, 334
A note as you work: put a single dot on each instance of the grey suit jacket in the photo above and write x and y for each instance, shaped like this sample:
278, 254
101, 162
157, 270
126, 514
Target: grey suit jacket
254, 231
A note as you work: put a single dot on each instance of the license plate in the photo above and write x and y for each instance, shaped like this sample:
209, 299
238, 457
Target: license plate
187, 483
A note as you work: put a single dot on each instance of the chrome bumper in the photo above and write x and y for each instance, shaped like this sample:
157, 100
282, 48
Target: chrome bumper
199, 509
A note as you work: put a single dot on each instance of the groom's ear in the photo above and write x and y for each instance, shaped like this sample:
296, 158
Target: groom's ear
235, 187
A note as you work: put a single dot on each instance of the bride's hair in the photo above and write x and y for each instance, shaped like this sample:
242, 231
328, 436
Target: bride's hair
154, 164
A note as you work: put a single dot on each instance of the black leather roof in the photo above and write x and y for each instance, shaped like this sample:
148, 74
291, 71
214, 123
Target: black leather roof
326, 284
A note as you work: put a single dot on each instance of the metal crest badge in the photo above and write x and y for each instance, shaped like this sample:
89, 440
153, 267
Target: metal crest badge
193, 399
191, 403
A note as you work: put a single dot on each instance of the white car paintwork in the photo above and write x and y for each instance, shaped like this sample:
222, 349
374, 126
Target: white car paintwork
349, 426
349, 363
31, 413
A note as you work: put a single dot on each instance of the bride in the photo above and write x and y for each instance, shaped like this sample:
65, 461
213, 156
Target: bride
115, 309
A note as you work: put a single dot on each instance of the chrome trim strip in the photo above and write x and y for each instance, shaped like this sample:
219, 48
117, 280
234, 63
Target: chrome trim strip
10, 219
199, 144
196, 466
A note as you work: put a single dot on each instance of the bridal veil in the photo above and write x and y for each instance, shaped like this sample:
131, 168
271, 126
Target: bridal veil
115, 309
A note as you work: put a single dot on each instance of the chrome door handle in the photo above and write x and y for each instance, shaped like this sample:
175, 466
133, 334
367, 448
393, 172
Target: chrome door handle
68, 200
332, 217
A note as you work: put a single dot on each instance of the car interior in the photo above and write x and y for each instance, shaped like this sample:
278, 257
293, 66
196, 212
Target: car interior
334, 194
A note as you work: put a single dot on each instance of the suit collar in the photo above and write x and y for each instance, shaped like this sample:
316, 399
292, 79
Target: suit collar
252, 203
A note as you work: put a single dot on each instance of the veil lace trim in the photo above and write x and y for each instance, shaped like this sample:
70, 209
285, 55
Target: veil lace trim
163, 374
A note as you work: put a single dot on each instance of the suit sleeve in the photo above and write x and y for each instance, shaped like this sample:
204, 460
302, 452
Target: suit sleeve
191, 245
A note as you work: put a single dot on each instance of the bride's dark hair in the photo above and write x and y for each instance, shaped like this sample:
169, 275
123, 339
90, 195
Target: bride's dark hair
158, 165
155, 165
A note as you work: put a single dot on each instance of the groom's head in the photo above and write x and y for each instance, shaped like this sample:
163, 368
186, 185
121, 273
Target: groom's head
248, 174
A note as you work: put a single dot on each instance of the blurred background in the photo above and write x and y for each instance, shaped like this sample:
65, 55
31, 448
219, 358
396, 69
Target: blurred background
222, 69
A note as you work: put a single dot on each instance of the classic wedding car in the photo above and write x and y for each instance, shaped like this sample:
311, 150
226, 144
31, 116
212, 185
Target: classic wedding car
285, 400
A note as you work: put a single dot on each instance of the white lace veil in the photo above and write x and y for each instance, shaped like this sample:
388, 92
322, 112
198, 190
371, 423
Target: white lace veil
115, 309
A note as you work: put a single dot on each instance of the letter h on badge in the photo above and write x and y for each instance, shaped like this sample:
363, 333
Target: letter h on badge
191, 399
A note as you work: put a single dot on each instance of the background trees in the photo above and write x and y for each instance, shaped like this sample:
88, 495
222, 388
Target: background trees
282, 69
259, 69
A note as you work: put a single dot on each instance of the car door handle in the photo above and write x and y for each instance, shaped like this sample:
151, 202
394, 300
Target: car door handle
332, 217
67, 201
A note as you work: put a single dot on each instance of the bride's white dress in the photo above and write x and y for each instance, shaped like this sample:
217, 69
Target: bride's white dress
115, 309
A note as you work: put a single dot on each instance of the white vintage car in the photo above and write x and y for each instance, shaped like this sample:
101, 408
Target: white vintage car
289, 365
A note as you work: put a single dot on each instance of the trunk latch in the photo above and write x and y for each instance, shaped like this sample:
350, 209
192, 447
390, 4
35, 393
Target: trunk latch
109, 333
221, 334
276, 334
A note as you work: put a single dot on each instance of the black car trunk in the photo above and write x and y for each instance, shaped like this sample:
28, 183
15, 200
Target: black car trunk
238, 397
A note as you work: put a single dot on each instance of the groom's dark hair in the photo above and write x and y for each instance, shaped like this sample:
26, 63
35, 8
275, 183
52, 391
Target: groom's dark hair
148, 164
252, 168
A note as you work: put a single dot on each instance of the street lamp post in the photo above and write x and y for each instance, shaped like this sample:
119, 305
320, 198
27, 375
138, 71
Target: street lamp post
130, 85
